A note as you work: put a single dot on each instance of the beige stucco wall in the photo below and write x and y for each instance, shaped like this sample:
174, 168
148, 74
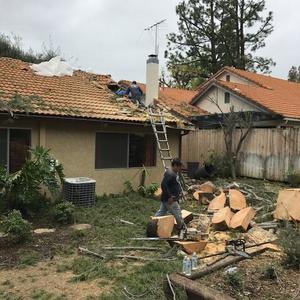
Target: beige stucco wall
217, 95
73, 144
234, 78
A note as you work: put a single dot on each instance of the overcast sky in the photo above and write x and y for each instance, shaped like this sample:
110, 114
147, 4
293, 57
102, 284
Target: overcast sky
108, 37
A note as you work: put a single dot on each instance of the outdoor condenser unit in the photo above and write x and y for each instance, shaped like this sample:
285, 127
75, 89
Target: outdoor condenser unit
80, 191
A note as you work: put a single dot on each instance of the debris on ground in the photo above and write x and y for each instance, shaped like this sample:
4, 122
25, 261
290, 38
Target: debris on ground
80, 227
43, 230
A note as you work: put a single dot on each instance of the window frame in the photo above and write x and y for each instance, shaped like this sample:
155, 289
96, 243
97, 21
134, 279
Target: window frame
227, 98
128, 149
228, 78
8, 142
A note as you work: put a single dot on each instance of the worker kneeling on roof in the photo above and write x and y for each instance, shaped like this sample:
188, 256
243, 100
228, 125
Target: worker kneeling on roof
171, 193
135, 94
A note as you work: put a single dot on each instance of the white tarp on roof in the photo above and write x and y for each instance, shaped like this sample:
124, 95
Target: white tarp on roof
54, 67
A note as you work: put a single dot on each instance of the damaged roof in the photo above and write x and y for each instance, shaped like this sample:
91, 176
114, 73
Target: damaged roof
83, 95
173, 99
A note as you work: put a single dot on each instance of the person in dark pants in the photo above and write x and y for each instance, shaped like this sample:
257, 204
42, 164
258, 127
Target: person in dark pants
171, 193
135, 93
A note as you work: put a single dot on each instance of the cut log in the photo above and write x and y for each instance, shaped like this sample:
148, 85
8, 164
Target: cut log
227, 261
221, 218
203, 197
288, 205
218, 202
237, 200
186, 215
242, 218
196, 290
158, 192
165, 225
192, 246
207, 187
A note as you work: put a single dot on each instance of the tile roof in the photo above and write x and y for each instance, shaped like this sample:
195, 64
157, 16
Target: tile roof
83, 95
174, 99
273, 94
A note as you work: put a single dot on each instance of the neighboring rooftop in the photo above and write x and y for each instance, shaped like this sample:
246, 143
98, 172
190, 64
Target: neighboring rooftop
273, 94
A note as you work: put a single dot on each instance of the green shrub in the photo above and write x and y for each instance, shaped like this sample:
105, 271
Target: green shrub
22, 189
220, 163
128, 187
64, 212
234, 280
293, 178
289, 239
269, 272
148, 191
15, 226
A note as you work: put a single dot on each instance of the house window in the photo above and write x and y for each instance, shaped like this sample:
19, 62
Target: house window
14, 146
119, 150
227, 97
228, 78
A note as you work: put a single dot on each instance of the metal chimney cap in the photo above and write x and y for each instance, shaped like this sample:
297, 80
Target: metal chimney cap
152, 58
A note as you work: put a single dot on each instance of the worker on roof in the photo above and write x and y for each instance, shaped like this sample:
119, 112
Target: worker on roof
135, 93
171, 192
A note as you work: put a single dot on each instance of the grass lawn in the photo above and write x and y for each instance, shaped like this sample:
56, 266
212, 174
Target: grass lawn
49, 267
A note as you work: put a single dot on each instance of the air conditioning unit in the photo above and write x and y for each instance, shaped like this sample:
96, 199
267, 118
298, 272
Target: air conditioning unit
80, 191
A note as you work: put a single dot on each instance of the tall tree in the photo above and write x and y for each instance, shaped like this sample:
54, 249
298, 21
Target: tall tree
216, 33
294, 74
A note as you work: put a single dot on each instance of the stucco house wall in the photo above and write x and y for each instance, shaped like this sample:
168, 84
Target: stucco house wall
218, 95
234, 78
73, 143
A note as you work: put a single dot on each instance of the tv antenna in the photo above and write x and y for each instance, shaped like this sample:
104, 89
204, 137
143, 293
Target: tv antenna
156, 34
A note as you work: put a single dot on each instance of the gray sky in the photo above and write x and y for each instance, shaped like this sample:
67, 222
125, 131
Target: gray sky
107, 36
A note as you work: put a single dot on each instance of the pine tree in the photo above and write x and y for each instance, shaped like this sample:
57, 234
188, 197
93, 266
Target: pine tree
217, 33
294, 74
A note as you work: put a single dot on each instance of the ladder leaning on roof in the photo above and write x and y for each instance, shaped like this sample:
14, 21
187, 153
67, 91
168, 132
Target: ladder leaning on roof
158, 124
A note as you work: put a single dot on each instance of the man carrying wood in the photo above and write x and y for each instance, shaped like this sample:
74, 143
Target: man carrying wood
171, 193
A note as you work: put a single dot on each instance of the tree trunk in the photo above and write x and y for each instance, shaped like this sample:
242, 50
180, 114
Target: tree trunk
213, 38
195, 290
242, 38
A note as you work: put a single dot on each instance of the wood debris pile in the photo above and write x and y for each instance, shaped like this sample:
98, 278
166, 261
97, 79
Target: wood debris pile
229, 206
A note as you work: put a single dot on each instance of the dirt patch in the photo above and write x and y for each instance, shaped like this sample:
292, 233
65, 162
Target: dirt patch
254, 284
46, 245
44, 277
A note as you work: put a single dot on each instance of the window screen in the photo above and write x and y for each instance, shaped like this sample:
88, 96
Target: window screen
227, 98
19, 144
227, 77
136, 150
111, 150
3, 147
114, 150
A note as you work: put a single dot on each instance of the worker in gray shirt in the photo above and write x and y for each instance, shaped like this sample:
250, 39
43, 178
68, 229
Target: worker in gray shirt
171, 192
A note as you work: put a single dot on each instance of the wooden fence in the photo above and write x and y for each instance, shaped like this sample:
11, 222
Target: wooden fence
269, 153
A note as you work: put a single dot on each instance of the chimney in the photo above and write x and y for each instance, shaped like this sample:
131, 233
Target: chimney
151, 79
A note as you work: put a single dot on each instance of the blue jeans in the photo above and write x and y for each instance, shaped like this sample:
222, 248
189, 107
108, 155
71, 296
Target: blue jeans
173, 209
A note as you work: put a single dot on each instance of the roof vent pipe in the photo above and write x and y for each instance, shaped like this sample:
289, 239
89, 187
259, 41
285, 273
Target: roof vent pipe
152, 73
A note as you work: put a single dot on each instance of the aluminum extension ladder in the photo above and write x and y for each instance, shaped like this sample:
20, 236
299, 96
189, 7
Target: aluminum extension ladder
158, 124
